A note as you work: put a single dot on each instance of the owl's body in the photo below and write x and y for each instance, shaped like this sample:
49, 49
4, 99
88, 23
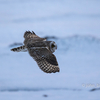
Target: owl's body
41, 51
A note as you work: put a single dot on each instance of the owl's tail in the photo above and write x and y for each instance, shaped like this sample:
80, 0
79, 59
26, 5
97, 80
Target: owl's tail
19, 49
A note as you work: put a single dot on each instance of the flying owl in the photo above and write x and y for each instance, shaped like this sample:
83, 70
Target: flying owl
41, 51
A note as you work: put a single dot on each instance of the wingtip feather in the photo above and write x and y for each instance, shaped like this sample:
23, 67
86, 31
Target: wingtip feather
27, 33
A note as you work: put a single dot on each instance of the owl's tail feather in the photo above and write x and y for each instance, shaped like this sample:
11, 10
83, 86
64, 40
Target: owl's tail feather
19, 49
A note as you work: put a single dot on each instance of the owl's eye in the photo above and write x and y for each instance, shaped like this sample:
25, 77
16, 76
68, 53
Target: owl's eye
53, 45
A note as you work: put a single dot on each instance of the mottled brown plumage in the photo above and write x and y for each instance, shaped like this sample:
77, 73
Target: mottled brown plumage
41, 51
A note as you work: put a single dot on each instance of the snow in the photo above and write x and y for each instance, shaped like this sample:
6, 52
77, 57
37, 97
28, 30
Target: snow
75, 28
57, 95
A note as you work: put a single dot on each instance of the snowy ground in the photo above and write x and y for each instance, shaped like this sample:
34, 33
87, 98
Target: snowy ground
75, 25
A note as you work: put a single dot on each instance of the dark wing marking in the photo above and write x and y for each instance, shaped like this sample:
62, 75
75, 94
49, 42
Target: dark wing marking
29, 34
45, 59
31, 37
19, 49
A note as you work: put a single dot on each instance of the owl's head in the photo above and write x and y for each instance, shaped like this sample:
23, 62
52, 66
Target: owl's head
53, 46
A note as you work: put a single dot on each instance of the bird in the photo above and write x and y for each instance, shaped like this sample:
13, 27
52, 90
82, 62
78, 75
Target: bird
41, 51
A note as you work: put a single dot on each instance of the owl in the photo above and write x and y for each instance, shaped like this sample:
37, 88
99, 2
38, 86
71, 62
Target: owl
41, 51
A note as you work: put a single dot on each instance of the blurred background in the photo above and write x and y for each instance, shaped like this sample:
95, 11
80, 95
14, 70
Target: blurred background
75, 27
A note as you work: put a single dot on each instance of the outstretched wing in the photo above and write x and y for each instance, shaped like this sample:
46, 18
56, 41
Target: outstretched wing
31, 37
45, 59
19, 49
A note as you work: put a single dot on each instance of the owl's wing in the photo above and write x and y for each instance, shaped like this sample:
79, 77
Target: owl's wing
45, 59
31, 37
